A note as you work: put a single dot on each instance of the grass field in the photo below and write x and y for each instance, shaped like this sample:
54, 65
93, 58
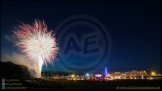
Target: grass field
107, 85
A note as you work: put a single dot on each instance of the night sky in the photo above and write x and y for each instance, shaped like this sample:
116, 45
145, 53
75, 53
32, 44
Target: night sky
134, 29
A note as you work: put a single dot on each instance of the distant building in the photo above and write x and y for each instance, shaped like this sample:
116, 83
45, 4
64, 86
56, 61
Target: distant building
158, 74
127, 74
136, 73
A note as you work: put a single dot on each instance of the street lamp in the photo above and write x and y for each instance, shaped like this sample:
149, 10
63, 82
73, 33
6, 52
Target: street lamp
87, 74
153, 73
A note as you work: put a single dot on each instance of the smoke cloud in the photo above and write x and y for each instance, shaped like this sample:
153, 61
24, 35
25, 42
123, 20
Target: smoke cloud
19, 59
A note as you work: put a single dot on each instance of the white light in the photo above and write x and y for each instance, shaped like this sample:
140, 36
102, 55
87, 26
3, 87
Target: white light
98, 75
87, 74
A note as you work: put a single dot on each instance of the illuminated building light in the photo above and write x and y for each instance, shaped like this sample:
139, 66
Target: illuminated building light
98, 75
92, 77
118, 77
108, 74
72, 75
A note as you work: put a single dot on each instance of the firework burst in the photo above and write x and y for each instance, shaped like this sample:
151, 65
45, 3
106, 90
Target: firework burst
36, 43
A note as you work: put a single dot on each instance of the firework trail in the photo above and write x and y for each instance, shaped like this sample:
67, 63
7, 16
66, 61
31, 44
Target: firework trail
36, 43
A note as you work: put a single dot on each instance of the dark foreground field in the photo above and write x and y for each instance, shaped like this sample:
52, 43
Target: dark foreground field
111, 85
